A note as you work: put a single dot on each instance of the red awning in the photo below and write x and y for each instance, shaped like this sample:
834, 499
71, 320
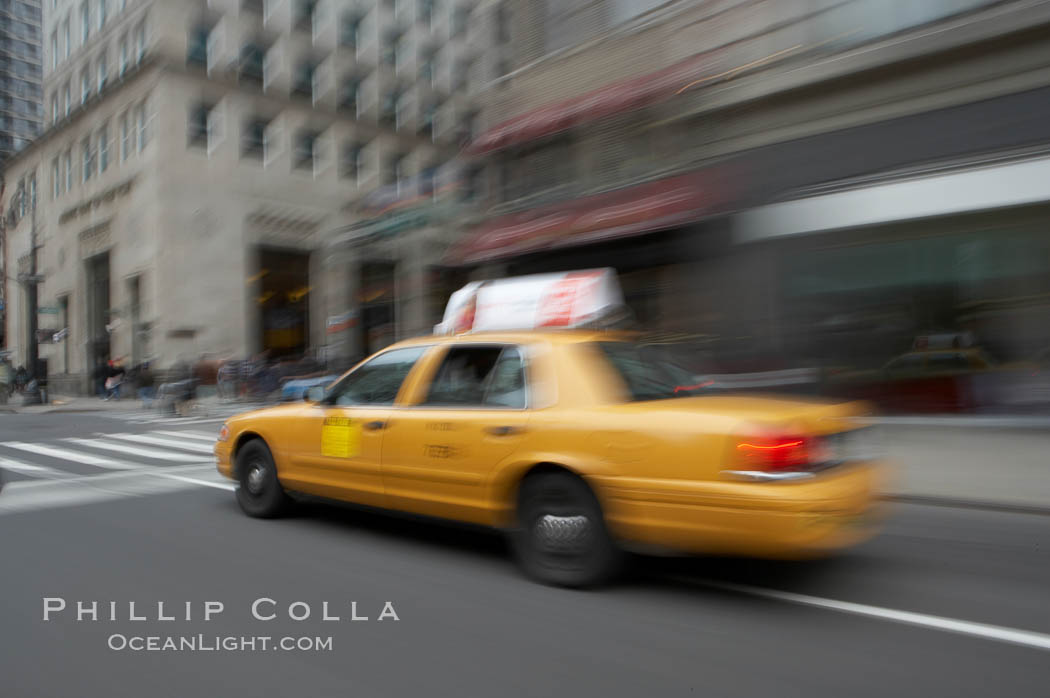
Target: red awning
658, 205
614, 98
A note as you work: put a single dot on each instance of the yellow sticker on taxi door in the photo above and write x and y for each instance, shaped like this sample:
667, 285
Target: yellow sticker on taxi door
340, 437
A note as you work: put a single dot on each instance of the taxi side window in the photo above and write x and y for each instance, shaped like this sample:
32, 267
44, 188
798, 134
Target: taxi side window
376, 382
480, 376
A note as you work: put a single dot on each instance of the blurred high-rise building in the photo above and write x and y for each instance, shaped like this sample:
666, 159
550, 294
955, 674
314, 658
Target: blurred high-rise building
21, 110
786, 182
238, 176
21, 92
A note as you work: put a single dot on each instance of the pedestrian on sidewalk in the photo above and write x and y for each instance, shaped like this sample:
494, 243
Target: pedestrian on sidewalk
114, 381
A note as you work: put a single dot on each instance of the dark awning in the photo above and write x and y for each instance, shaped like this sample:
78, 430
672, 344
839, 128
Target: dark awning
614, 98
657, 205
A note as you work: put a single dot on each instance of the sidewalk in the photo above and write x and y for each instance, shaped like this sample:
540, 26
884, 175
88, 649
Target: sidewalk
995, 467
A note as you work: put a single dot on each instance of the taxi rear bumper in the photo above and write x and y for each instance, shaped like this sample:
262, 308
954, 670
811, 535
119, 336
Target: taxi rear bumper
802, 519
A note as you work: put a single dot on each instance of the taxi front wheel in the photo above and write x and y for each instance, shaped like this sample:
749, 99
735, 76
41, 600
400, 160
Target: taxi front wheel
260, 493
561, 537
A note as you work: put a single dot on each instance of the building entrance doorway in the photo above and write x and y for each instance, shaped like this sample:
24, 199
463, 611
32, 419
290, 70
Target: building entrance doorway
284, 302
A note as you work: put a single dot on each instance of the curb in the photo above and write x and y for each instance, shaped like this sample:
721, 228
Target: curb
958, 503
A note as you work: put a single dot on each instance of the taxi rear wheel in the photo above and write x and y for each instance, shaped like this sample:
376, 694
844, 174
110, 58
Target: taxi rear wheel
561, 538
260, 493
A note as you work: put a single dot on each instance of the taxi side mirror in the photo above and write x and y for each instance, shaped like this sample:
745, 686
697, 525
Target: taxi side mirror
314, 394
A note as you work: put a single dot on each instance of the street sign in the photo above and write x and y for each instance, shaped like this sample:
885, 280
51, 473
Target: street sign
30, 278
48, 310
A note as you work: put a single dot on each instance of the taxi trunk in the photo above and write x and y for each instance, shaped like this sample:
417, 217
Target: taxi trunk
763, 476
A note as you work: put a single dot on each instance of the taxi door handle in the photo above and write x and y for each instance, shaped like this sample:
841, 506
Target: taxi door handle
375, 425
505, 430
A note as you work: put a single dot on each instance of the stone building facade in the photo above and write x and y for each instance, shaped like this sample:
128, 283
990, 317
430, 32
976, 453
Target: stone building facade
202, 160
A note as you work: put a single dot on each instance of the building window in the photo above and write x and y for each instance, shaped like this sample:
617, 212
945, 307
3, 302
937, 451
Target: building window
352, 161
54, 49
304, 14
388, 55
88, 158
349, 94
197, 47
65, 33
103, 148
101, 13
54, 108
253, 58
197, 127
140, 42
253, 139
123, 55
66, 94
306, 150
426, 12
459, 20
303, 84
32, 192
103, 72
388, 112
69, 169
426, 120
426, 69
395, 173
125, 137
85, 86
85, 21
350, 31
461, 76
56, 181
141, 133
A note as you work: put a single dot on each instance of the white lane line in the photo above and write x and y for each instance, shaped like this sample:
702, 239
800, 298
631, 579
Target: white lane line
75, 456
32, 470
229, 486
153, 453
199, 435
185, 445
1026, 638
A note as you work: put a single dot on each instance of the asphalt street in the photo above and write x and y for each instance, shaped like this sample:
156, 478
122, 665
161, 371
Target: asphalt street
111, 508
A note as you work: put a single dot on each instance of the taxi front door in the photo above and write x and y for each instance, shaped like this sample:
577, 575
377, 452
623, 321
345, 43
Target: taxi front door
339, 442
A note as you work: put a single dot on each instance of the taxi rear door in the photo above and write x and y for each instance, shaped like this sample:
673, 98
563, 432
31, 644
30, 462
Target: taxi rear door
440, 450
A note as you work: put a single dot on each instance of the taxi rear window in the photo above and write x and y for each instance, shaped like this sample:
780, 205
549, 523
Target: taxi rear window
646, 373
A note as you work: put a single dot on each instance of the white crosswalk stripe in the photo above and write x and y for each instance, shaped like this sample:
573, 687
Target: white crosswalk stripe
32, 470
127, 449
199, 435
67, 457
184, 445
72, 455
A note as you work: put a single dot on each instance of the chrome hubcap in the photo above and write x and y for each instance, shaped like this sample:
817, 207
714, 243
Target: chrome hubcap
562, 534
256, 475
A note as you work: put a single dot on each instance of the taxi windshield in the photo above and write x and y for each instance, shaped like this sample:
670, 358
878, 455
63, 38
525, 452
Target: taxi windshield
648, 373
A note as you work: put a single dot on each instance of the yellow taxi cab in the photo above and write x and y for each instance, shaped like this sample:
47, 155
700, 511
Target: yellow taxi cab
577, 442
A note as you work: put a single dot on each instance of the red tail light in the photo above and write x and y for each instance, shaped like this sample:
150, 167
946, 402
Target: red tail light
776, 455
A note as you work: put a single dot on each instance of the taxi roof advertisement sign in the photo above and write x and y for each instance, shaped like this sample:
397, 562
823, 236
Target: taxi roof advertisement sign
567, 299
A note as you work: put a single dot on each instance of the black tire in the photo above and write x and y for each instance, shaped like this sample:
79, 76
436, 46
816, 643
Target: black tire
552, 544
260, 493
